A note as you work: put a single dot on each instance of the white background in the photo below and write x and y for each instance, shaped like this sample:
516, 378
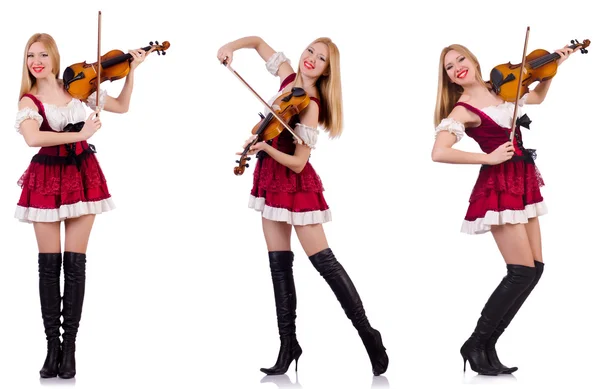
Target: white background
169, 305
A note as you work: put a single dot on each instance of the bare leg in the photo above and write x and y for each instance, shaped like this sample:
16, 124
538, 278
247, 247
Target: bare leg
77, 233
48, 237
277, 235
513, 242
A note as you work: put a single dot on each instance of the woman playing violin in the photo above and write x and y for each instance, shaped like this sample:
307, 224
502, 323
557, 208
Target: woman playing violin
64, 182
506, 199
288, 192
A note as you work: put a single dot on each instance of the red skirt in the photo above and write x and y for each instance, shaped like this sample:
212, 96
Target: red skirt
61, 183
507, 193
284, 196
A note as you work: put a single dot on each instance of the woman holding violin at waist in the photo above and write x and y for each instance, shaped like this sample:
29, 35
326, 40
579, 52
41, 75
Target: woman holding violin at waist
288, 192
64, 182
506, 199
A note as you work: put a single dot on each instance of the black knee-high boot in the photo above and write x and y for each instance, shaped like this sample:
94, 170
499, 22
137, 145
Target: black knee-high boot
343, 288
49, 265
516, 281
74, 264
284, 288
491, 344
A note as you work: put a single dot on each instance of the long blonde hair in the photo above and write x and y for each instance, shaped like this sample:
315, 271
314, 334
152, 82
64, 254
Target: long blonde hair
449, 92
28, 80
329, 86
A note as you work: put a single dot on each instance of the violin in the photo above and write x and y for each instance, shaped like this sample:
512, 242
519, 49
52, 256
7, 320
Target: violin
286, 107
539, 65
80, 78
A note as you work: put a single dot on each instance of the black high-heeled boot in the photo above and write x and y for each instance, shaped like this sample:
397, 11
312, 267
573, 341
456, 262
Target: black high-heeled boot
284, 289
74, 264
49, 265
516, 281
491, 344
343, 288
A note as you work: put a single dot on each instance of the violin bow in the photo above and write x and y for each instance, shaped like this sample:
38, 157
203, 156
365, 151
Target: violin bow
300, 141
99, 69
514, 122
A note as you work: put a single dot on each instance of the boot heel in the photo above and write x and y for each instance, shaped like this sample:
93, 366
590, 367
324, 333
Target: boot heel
464, 365
297, 363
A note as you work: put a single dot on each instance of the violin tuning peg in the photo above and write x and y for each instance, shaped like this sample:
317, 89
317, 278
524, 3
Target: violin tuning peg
156, 42
236, 161
247, 165
153, 43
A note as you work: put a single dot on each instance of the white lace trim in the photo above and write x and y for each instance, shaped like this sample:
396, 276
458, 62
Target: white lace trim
91, 100
493, 218
309, 135
452, 126
502, 114
283, 215
275, 61
27, 113
30, 215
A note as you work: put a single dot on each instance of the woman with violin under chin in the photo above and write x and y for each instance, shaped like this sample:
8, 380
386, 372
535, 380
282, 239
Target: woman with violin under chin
506, 199
288, 192
63, 183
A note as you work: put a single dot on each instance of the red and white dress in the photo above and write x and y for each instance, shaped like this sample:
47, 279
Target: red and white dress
62, 181
279, 193
507, 193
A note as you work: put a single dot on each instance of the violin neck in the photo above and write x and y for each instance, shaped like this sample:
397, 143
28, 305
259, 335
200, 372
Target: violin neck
546, 59
121, 58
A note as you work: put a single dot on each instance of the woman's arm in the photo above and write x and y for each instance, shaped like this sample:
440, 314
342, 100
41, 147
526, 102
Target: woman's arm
448, 133
265, 51
538, 95
29, 127
120, 104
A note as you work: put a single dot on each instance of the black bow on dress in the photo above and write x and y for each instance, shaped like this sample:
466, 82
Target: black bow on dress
71, 147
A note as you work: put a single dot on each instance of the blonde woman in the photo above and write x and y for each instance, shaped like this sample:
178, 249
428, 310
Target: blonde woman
288, 192
506, 199
64, 182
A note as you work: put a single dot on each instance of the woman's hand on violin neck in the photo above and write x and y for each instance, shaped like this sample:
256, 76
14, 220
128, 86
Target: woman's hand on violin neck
260, 146
225, 54
248, 141
139, 56
564, 54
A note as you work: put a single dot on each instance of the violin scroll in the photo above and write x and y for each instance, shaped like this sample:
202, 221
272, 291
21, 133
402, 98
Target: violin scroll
239, 170
583, 46
160, 49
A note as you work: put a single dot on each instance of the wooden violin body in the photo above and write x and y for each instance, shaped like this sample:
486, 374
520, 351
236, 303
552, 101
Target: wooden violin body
80, 79
540, 65
287, 106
